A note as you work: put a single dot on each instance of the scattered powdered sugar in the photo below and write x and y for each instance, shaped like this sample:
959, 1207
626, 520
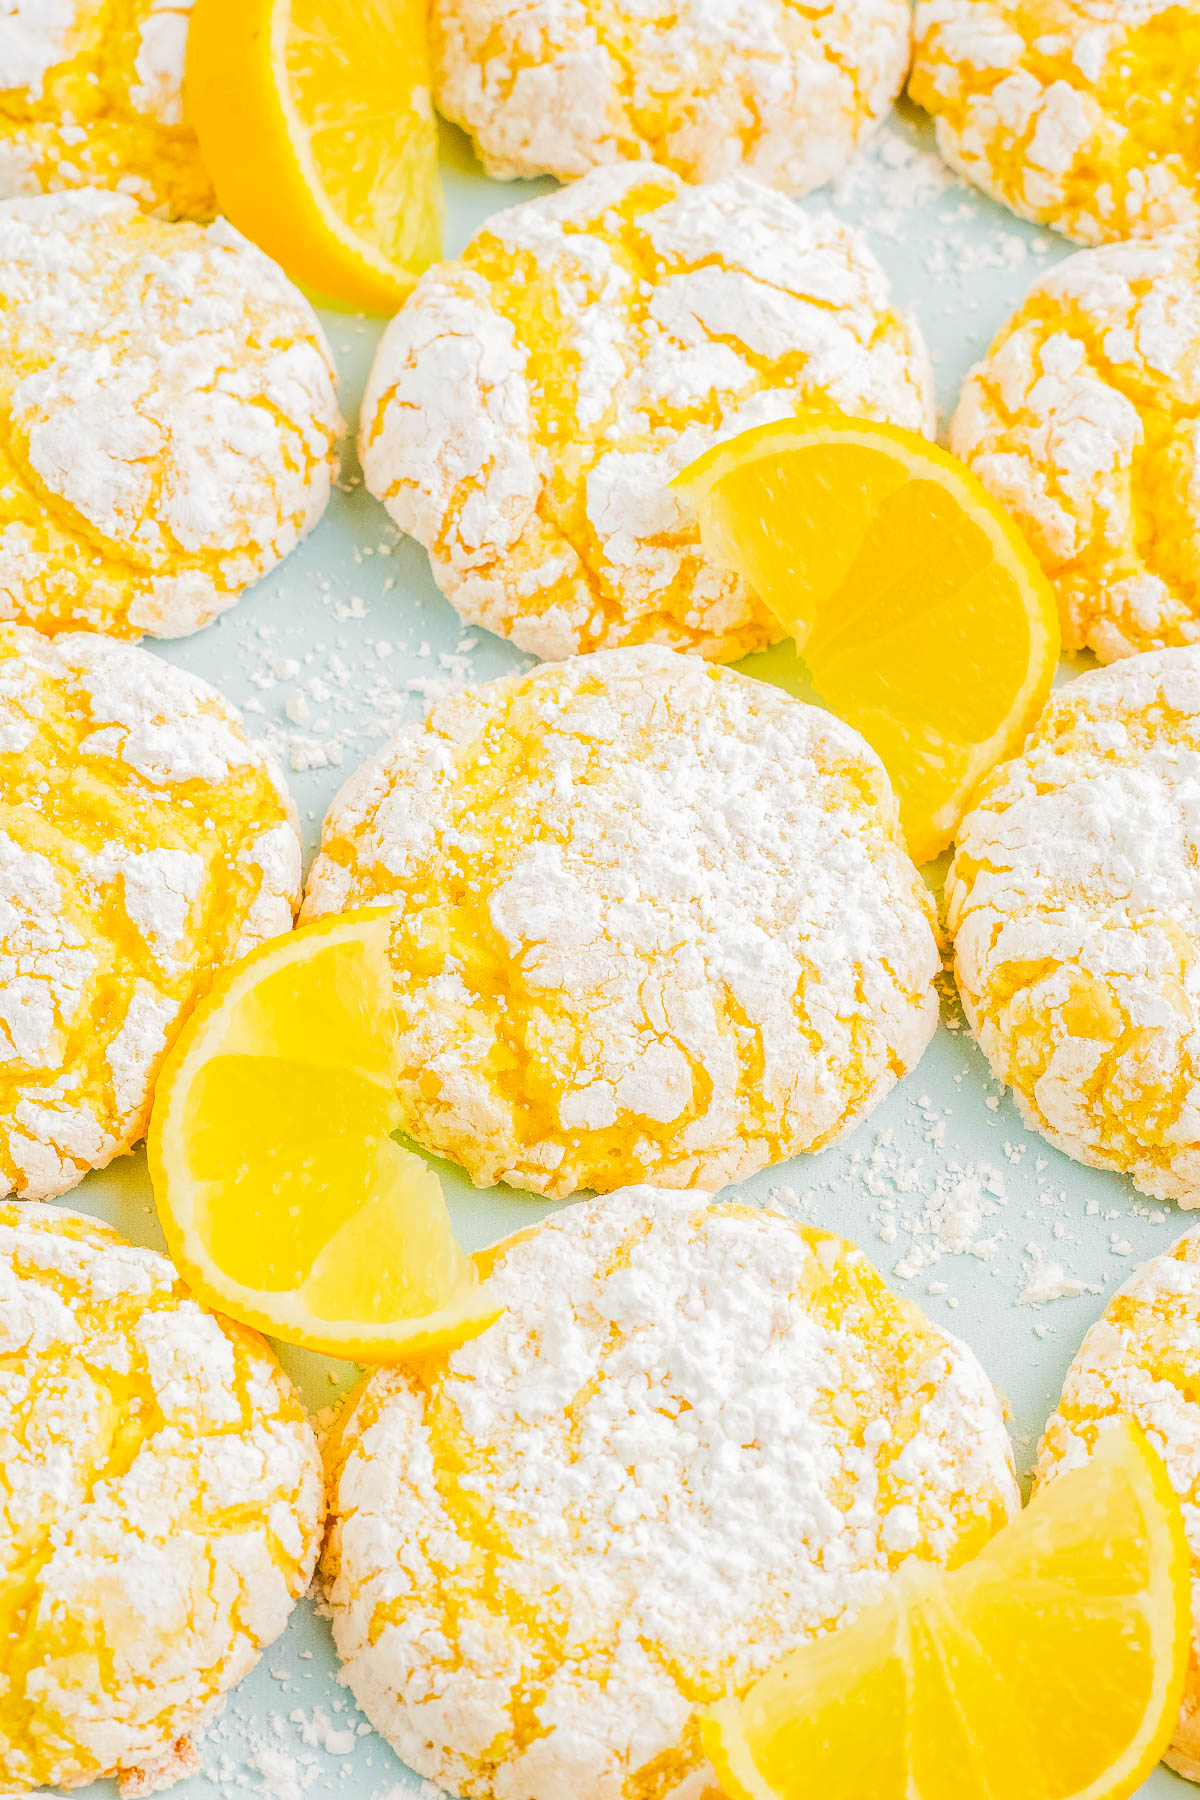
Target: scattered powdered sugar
691, 1462
1082, 423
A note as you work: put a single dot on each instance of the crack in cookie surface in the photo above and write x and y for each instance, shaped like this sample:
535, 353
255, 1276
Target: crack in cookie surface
653, 918
160, 1505
168, 417
531, 402
697, 1436
144, 843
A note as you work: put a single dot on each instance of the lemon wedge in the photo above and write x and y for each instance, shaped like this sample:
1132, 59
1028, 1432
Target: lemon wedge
284, 1200
922, 615
1050, 1667
316, 126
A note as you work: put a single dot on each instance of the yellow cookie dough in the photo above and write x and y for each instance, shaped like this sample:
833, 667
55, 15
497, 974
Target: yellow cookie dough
1084, 421
702, 86
91, 95
531, 402
160, 1507
1082, 114
1141, 1361
1074, 900
654, 920
697, 1437
168, 417
144, 843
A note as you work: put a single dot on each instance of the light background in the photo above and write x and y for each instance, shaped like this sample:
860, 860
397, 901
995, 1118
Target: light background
949, 1196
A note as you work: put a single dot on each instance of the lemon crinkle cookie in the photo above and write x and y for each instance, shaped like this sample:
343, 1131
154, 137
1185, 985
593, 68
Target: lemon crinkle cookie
144, 843
701, 86
167, 417
1081, 114
1074, 900
697, 1437
91, 95
653, 919
160, 1509
531, 402
1084, 421
1141, 1361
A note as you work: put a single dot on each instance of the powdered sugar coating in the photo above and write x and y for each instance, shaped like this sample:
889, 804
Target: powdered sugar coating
530, 403
143, 844
698, 1436
1074, 899
91, 95
655, 919
704, 87
1082, 114
170, 417
1142, 1361
1084, 421
160, 1505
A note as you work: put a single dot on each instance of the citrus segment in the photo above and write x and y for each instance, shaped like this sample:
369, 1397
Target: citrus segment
315, 122
282, 1195
922, 615
1050, 1667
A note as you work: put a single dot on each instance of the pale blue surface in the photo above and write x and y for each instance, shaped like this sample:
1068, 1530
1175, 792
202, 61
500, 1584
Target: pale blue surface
960, 263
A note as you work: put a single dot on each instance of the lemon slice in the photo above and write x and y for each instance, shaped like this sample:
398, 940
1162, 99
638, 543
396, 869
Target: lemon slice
922, 615
284, 1200
316, 126
1051, 1667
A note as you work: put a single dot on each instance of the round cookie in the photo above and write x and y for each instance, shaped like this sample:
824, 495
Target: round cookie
531, 402
1142, 1361
160, 1511
1074, 901
1084, 421
144, 844
167, 417
1081, 114
697, 1437
654, 920
91, 95
704, 87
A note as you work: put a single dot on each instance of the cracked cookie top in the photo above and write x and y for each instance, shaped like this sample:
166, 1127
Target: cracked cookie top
144, 843
654, 920
1081, 114
531, 402
704, 87
1074, 900
697, 1436
160, 1506
1084, 421
167, 417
